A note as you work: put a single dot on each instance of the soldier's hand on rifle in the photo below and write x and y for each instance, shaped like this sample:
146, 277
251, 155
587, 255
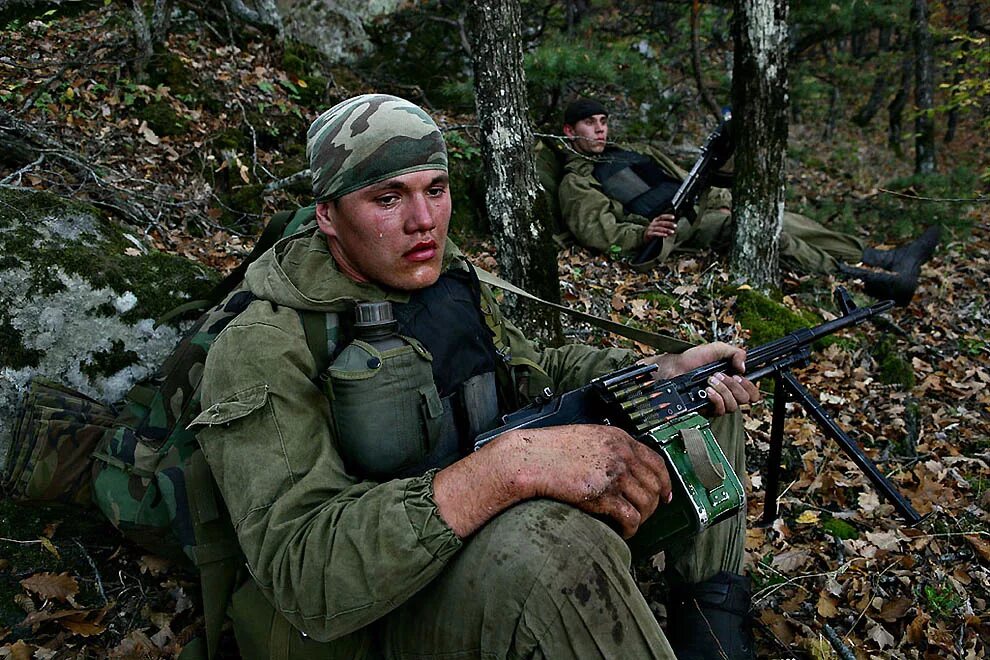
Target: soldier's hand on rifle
599, 469
661, 227
727, 392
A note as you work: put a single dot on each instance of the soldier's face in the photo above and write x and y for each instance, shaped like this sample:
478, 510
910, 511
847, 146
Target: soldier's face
390, 233
589, 135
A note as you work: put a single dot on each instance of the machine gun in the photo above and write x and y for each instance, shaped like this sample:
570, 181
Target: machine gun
715, 152
665, 416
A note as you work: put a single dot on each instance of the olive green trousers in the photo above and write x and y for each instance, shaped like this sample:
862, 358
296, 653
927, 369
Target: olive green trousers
804, 244
541, 580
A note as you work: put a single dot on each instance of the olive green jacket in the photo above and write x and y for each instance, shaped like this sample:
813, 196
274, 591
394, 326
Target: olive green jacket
598, 222
331, 552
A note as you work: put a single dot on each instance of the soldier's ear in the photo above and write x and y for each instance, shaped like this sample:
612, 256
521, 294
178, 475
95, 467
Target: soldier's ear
324, 218
568, 130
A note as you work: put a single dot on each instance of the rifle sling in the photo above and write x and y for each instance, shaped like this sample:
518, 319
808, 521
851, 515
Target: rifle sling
664, 343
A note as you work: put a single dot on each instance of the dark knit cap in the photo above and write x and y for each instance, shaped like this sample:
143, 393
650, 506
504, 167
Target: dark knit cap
582, 109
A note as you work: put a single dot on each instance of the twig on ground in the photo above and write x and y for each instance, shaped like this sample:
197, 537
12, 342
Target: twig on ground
96, 572
833, 638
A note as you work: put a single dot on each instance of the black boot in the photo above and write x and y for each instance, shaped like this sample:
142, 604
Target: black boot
908, 258
898, 287
710, 620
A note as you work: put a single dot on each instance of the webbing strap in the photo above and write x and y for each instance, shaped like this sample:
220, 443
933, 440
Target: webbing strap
207, 553
661, 342
322, 332
710, 475
278, 648
217, 553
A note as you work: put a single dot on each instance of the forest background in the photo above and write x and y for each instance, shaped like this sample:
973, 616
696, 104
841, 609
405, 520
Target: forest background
186, 121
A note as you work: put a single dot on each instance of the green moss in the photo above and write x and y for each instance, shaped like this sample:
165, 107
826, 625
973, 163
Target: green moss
163, 120
840, 529
661, 301
293, 64
12, 351
232, 138
244, 207
894, 370
313, 92
110, 361
468, 217
168, 69
159, 281
766, 319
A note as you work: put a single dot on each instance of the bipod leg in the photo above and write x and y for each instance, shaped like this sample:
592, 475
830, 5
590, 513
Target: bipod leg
850, 447
780, 396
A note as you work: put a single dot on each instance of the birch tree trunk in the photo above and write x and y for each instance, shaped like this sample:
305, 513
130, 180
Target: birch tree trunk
759, 99
526, 254
924, 89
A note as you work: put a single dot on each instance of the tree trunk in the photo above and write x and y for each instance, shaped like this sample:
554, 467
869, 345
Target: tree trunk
895, 110
924, 89
142, 37
759, 99
526, 253
699, 77
868, 110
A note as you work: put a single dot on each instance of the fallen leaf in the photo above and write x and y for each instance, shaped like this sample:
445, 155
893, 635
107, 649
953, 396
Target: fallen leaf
790, 561
49, 546
827, 606
20, 651
895, 609
49, 585
879, 634
808, 517
781, 628
981, 545
153, 564
148, 134
82, 628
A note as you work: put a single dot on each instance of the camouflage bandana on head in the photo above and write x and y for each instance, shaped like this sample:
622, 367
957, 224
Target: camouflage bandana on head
368, 139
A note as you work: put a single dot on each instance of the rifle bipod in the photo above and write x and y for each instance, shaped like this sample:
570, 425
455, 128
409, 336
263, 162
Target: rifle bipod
787, 388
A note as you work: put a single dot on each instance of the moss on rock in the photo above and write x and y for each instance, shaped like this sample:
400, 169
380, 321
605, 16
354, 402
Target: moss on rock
163, 120
78, 299
767, 319
894, 369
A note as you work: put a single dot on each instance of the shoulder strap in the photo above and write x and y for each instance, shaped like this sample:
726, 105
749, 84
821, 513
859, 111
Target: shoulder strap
324, 336
661, 342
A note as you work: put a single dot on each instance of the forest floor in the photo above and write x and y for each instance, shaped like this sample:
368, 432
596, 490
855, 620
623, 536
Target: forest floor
837, 574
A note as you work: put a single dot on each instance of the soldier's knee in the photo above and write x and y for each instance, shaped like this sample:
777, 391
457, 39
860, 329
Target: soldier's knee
553, 546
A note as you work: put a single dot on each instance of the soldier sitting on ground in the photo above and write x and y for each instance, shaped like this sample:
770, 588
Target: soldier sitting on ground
369, 526
589, 205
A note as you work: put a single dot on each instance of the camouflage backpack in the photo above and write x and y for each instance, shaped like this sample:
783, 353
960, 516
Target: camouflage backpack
141, 467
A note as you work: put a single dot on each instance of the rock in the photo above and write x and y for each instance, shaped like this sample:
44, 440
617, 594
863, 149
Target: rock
79, 296
336, 28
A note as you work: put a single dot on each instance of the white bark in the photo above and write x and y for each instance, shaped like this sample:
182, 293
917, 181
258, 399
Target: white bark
760, 125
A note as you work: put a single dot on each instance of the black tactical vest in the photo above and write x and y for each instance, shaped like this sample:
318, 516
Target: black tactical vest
636, 181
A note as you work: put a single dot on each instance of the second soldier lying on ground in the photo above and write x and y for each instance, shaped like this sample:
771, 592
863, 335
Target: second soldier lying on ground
596, 219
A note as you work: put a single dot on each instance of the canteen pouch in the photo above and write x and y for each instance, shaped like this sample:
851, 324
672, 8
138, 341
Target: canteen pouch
706, 489
387, 412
